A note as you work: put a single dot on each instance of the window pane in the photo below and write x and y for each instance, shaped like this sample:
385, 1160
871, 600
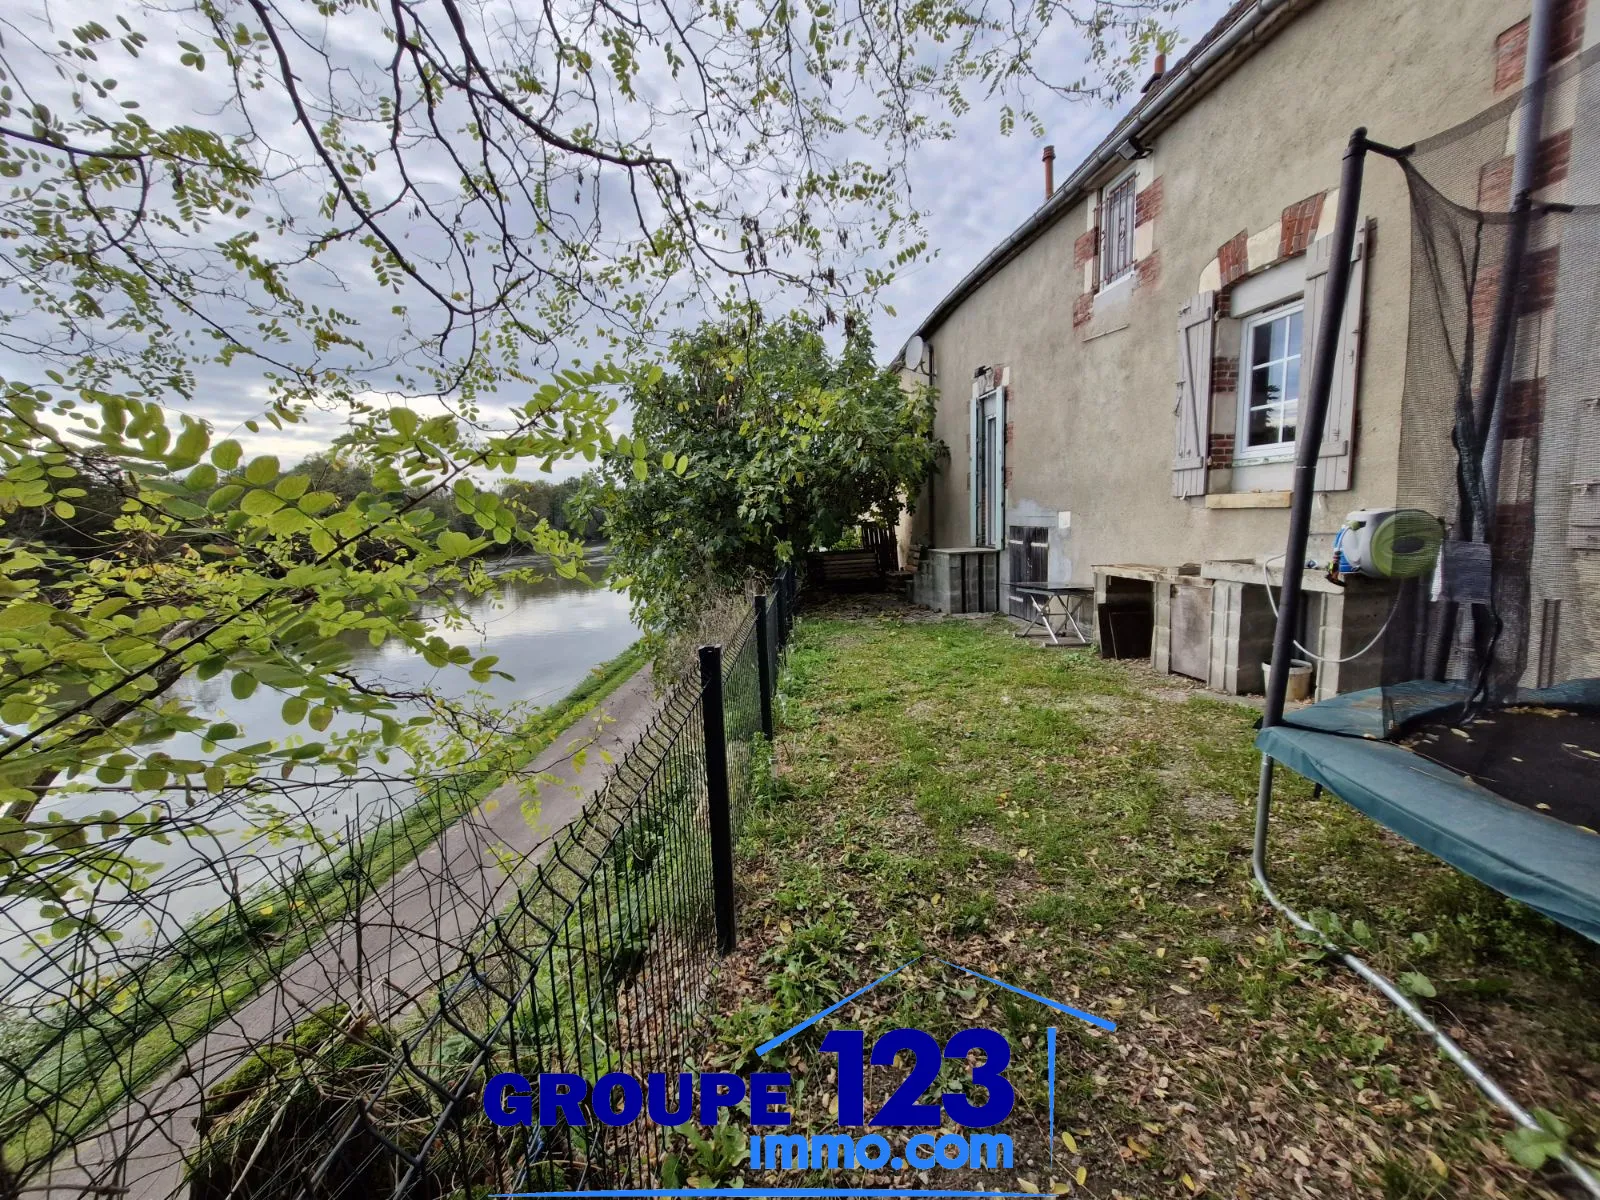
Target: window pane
1291, 379
1288, 417
1260, 386
1280, 337
1294, 332
1274, 392
1261, 344
1261, 431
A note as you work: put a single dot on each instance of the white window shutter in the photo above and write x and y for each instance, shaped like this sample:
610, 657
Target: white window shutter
1195, 332
1583, 522
972, 465
1339, 428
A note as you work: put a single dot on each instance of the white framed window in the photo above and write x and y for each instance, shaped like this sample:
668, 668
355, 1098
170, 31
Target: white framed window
1117, 205
1269, 382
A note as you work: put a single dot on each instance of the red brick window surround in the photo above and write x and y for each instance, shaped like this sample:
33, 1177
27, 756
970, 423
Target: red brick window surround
1299, 226
1511, 47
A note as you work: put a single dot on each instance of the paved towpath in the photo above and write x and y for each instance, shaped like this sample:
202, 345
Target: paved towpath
410, 933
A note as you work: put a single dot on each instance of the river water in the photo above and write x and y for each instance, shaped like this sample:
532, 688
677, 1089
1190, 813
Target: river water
548, 635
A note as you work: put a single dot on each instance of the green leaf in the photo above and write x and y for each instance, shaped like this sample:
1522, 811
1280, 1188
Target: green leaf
65, 511
321, 717
222, 732
224, 497
1418, 984
243, 685
292, 487
294, 710
191, 444
202, 477
226, 454
263, 470
259, 502
454, 543
313, 503
25, 615
404, 421
640, 471
1532, 1148
287, 521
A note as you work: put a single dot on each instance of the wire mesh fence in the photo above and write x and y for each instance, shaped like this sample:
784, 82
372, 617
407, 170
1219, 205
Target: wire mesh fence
356, 1060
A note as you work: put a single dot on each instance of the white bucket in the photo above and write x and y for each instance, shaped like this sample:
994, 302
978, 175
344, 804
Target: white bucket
1299, 679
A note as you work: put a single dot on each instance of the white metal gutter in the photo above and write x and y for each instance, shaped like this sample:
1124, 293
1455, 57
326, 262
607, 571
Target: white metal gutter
1176, 83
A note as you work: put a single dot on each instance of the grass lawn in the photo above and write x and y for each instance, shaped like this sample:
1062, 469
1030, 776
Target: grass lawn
1081, 828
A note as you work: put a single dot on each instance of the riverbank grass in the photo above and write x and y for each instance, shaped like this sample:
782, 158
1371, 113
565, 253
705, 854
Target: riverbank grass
225, 958
1081, 828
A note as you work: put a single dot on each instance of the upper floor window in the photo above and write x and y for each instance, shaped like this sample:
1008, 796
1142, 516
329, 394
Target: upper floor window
1117, 204
1269, 381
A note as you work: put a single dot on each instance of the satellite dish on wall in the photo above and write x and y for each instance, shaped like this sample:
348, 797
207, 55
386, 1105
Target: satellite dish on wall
915, 349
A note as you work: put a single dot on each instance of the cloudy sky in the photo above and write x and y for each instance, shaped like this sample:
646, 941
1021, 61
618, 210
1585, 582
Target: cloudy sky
981, 186
973, 189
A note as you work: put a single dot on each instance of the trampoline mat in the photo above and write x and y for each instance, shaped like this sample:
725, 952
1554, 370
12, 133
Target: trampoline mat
1542, 758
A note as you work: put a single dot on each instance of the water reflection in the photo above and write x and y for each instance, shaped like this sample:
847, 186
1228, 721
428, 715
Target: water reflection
548, 635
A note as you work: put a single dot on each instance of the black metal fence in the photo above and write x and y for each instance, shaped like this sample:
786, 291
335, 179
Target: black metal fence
600, 964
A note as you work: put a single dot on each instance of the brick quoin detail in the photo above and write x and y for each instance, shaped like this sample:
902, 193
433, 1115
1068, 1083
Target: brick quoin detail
1224, 374
1233, 257
1147, 270
1221, 450
1555, 159
1082, 309
1525, 411
1551, 167
1007, 474
1083, 249
1011, 427
1511, 47
1484, 297
1300, 225
1147, 204
1539, 279
1494, 185
1510, 54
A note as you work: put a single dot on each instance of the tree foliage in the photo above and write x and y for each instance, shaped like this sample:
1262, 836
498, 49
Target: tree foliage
771, 446
403, 221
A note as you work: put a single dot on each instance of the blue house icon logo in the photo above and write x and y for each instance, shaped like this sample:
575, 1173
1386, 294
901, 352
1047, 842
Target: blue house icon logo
1087, 1017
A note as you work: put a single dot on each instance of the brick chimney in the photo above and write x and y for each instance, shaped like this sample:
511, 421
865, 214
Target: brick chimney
1049, 171
1155, 75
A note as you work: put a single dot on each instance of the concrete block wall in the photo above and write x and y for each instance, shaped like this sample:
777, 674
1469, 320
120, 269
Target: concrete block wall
938, 583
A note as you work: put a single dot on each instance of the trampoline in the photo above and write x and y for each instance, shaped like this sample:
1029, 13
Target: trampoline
1448, 799
1481, 746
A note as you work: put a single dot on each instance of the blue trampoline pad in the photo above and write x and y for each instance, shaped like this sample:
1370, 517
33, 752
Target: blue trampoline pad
1546, 864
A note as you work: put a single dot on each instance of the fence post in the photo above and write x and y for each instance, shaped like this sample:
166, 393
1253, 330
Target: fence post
717, 797
764, 665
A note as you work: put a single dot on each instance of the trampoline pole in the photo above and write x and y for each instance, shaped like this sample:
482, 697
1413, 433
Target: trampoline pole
1308, 442
1307, 448
1484, 1082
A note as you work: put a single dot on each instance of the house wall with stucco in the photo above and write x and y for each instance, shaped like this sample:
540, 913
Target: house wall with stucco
1235, 186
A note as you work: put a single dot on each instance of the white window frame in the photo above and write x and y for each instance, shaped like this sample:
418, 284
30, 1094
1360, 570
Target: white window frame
1102, 251
1243, 451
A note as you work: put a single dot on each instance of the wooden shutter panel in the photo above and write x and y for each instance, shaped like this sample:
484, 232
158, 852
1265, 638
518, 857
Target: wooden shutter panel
1339, 429
972, 466
1583, 522
1195, 332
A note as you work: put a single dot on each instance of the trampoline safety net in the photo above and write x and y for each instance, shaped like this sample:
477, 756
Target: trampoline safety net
1491, 656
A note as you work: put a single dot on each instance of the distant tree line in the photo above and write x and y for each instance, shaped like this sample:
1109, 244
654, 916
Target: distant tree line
89, 523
